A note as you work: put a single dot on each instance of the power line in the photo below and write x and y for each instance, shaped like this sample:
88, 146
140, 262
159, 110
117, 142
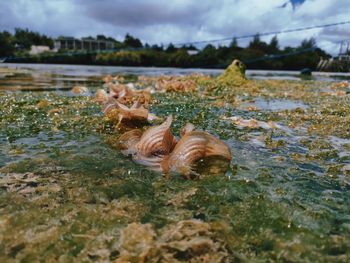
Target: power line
276, 56
263, 34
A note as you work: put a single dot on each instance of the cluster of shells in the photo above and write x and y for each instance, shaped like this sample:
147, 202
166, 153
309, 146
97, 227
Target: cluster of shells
155, 146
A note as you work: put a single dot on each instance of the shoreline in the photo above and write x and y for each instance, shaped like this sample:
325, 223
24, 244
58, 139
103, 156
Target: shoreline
103, 70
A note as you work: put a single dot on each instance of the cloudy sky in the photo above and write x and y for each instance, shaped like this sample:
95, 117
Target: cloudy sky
178, 21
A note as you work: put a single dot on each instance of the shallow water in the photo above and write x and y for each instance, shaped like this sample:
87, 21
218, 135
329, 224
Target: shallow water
91, 71
284, 198
33, 80
275, 104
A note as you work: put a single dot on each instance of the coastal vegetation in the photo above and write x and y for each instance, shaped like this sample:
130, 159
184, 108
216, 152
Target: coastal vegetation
132, 52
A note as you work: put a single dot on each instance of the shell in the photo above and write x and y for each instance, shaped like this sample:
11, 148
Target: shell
80, 89
152, 163
157, 140
121, 92
101, 96
128, 140
109, 105
187, 128
131, 115
193, 146
158, 149
108, 78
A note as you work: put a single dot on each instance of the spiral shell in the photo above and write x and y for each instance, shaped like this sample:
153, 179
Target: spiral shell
193, 146
128, 140
157, 140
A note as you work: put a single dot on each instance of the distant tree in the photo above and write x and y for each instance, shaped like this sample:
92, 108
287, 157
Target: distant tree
112, 39
225, 54
188, 47
234, 43
181, 58
101, 37
46, 41
118, 45
273, 46
257, 44
89, 37
171, 48
25, 39
209, 47
207, 57
191, 47
288, 49
130, 41
308, 43
6, 44
157, 48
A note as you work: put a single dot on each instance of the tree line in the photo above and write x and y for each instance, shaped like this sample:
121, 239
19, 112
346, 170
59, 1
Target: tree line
21, 40
132, 52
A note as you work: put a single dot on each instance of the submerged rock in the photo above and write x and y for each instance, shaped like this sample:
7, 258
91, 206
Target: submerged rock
137, 244
27, 184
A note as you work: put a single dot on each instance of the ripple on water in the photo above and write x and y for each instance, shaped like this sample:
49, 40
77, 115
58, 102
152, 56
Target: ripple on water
275, 104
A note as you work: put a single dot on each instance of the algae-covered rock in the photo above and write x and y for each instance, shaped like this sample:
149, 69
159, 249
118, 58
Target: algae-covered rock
234, 75
185, 241
137, 243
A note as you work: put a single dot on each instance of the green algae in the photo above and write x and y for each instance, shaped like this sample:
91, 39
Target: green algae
234, 75
66, 195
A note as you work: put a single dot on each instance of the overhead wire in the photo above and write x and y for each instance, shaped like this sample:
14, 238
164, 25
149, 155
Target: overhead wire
262, 34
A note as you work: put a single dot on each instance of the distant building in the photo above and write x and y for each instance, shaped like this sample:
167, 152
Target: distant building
344, 51
343, 57
86, 43
192, 52
36, 50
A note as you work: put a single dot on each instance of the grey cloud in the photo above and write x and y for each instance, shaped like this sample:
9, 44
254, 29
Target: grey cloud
147, 13
6, 15
176, 21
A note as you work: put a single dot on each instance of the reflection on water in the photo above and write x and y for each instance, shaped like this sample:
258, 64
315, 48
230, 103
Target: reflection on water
275, 104
62, 76
295, 75
33, 80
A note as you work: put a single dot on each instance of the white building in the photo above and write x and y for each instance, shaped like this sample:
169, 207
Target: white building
89, 44
36, 50
192, 52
